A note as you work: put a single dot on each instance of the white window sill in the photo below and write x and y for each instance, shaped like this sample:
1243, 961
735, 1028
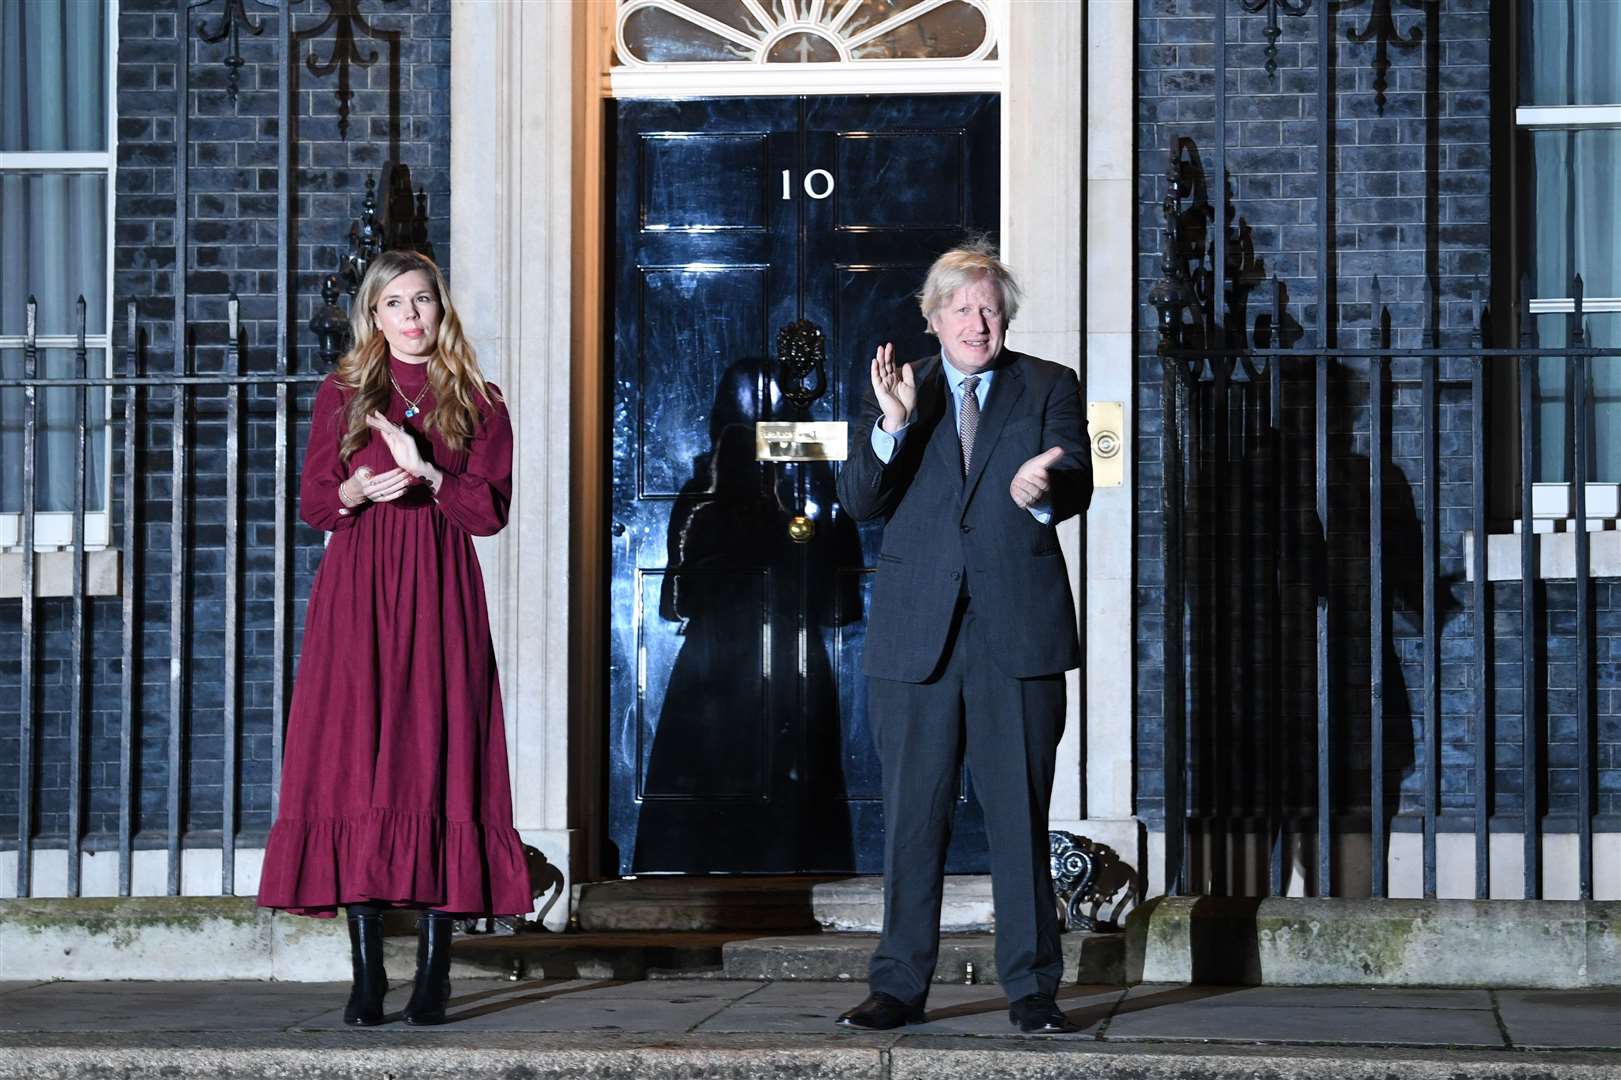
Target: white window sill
53, 573
1553, 551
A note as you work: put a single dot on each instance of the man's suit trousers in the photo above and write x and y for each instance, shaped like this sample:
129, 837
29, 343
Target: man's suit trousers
1008, 731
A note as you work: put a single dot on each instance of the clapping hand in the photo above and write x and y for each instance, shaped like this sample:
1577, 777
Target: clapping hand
380, 487
896, 391
403, 446
1031, 483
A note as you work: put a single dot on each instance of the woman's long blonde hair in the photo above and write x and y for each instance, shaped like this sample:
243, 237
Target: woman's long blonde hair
453, 372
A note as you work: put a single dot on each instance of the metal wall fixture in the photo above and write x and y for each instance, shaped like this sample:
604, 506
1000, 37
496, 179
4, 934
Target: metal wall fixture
1381, 30
345, 17
1274, 31
233, 16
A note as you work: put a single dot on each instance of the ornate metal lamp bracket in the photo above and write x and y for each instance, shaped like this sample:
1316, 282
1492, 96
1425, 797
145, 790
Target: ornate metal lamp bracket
233, 16
1175, 296
1273, 31
345, 14
1381, 30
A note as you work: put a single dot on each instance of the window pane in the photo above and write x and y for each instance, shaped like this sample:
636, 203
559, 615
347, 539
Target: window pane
1568, 50
53, 75
53, 245
1575, 225
55, 434
1555, 431
657, 36
947, 32
869, 13
803, 48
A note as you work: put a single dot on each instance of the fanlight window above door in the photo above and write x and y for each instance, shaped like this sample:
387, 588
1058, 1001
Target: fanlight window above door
660, 32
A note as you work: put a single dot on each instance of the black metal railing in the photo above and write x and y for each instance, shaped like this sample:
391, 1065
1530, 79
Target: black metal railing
1309, 575
131, 395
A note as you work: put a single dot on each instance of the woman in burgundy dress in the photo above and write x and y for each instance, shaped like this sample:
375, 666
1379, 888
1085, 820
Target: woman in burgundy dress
394, 788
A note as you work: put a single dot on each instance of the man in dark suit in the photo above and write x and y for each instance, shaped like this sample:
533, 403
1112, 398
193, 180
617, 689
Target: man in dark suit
970, 458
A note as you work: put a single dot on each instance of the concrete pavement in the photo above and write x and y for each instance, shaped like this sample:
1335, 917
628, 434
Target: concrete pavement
728, 1028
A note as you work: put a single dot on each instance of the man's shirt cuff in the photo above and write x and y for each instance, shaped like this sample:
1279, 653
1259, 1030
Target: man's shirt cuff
884, 444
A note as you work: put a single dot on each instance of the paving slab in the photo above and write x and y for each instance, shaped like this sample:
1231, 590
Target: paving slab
1220, 1014
1538, 1019
1088, 958
1324, 997
580, 1005
166, 1006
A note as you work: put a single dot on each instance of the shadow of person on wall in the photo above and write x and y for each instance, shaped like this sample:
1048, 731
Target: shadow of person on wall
745, 763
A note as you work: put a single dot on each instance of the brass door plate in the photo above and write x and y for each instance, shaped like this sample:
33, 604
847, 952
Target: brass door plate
801, 440
1106, 424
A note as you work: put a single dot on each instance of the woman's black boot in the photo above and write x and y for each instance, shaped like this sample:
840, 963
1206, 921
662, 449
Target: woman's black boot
365, 1008
432, 991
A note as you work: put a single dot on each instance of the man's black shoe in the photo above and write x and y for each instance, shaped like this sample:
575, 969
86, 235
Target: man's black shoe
882, 1012
1038, 1014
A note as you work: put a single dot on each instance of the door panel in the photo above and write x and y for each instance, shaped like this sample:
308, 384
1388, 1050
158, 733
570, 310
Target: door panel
740, 739
689, 323
695, 181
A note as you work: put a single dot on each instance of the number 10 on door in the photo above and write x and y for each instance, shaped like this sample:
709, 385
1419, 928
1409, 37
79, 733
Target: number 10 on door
818, 184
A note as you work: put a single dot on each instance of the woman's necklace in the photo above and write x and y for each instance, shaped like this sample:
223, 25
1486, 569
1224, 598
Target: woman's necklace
410, 403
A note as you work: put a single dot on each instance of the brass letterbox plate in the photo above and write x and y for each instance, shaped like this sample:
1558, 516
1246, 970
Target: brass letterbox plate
1106, 424
801, 440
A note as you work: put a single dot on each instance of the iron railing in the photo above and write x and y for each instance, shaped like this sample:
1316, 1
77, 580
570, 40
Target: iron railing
1236, 522
131, 400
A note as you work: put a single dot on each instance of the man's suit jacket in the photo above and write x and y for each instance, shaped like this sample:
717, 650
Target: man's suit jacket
940, 526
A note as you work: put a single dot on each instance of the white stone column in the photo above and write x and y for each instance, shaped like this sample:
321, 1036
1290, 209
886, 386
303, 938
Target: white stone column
511, 87
1110, 376
1068, 105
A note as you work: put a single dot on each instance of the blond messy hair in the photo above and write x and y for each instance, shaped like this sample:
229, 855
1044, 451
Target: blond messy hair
963, 265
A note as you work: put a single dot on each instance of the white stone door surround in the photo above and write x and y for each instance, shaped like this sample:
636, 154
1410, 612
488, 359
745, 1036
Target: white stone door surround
1067, 142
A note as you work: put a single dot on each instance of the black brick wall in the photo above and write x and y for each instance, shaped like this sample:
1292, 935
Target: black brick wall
400, 111
1411, 184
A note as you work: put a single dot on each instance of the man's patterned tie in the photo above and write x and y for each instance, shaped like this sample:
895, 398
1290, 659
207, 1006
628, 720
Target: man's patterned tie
968, 422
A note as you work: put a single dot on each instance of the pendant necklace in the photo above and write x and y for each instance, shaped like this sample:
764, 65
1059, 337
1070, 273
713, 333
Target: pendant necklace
410, 405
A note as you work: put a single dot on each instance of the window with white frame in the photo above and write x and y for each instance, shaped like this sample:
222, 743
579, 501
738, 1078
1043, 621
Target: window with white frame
802, 31
664, 47
1569, 144
57, 116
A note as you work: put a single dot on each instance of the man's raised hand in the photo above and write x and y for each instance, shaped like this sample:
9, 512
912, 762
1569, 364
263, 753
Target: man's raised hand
896, 391
1031, 483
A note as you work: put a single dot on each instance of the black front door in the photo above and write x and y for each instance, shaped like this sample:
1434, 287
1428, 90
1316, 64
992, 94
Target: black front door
738, 736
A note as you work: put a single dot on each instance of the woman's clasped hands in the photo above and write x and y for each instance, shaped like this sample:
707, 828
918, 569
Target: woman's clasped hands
410, 468
407, 454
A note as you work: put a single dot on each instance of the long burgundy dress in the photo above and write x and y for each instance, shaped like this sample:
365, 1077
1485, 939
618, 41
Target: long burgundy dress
394, 782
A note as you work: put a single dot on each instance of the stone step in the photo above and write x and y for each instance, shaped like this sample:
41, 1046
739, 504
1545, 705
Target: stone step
1094, 959
544, 955
775, 903
1091, 959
